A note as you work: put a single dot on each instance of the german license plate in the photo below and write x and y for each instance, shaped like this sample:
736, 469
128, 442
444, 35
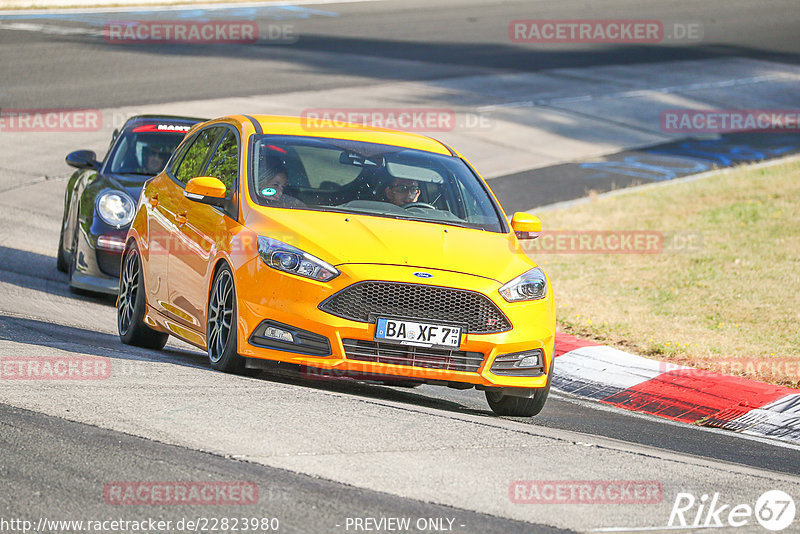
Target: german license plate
420, 334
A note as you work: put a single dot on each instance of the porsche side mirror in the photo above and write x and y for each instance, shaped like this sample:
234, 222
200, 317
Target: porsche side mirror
206, 190
83, 159
526, 226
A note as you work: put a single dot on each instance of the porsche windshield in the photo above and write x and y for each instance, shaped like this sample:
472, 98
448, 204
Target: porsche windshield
144, 150
373, 179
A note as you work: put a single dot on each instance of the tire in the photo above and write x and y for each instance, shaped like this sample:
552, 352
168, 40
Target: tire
131, 306
221, 324
519, 406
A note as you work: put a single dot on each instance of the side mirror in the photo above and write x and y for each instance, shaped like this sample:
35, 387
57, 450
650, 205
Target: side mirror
83, 159
206, 190
526, 226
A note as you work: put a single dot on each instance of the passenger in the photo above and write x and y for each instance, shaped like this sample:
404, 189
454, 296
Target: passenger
402, 191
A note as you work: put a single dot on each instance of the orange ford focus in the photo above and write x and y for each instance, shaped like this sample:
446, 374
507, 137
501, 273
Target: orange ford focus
340, 250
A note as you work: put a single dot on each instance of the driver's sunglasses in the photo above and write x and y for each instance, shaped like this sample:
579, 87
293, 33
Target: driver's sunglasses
406, 188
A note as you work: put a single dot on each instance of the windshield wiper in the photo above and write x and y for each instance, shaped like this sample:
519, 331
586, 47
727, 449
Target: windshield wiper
397, 216
438, 221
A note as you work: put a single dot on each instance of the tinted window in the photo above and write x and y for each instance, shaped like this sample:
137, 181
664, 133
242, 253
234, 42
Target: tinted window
192, 163
380, 180
143, 152
225, 162
178, 157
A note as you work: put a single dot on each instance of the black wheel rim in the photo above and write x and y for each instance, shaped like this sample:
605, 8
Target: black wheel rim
220, 316
128, 288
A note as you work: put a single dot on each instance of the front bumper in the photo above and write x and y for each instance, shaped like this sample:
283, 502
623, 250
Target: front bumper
97, 270
264, 293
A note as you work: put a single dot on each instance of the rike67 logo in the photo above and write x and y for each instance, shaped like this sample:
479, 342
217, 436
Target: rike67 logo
774, 510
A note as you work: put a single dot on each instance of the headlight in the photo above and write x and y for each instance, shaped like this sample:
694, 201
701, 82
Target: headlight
528, 286
115, 208
290, 259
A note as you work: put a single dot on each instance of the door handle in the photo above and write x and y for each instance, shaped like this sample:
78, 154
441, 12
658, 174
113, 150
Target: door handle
154, 200
181, 218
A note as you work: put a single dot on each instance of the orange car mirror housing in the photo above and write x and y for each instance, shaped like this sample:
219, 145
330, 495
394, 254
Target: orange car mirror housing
206, 189
526, 226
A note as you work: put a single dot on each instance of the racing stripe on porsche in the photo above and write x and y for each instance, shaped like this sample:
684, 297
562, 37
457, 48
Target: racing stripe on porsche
676, 392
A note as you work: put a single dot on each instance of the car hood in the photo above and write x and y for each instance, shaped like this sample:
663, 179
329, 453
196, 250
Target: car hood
343, 239
130, 183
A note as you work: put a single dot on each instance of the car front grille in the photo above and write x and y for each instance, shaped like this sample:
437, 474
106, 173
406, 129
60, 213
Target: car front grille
429, 358
365, 301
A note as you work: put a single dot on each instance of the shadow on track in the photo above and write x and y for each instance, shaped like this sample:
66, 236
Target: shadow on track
83, 341
31, 270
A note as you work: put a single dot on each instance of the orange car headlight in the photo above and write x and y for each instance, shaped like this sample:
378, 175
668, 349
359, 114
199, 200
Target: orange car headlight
531, 285
289, 259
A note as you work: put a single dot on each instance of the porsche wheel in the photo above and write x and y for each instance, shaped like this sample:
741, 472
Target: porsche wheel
221, 324
131, 306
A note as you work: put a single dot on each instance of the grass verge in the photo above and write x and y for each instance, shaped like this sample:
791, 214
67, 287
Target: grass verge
713, 284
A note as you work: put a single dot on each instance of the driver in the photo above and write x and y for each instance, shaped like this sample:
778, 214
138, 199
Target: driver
155, 158
402, 191
273, 180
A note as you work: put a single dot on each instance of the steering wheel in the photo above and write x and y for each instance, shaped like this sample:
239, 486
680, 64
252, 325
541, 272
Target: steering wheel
419, 205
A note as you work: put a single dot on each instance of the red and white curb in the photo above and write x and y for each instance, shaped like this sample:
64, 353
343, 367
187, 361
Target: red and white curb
675, 392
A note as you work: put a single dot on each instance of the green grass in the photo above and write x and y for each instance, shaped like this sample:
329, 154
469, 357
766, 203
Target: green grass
725, 302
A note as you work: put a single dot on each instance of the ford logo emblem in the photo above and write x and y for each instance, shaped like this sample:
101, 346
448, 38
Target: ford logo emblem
423, 275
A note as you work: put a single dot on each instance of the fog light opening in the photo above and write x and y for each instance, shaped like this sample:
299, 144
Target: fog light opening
525, 363
277, 334
529, 361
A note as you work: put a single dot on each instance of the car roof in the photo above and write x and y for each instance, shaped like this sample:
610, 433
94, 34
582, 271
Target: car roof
281, 125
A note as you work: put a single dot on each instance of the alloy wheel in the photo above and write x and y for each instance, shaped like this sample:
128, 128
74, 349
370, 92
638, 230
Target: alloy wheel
220, 315
128, 288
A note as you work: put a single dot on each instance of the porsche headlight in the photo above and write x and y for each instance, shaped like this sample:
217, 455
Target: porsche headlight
290, 259
115, 208
531, 285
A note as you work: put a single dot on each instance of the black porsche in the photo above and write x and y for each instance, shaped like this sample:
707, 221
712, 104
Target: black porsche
101, 197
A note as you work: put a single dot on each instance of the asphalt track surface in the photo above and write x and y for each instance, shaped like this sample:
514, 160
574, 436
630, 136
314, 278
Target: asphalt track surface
55, 467
362, 43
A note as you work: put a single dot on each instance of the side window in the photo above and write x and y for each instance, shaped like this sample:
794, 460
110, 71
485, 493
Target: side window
196, 156
178, 157
225, 162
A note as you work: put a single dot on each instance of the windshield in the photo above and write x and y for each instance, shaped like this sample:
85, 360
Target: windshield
373, 179
144, 150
